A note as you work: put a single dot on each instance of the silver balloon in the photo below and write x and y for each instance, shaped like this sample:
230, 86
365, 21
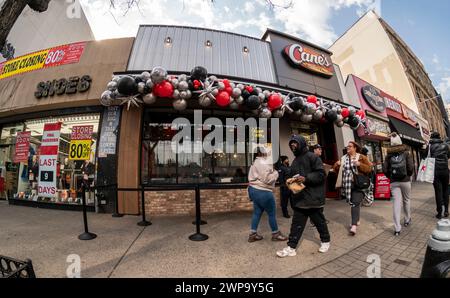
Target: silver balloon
183, 85
112, 86
340, 124
239, 100
215, 92
234, 105
298, 113
339, 118
240, 86
310, 108
233, 85
339, 110
204, 101
236, 92
145, 76
149, 98
176, 94
183, 95
259, 90
267, 93
334, 109
265, 113
106, 98
352, 111
182, 77
174, 83
179, 104
188, 94
158, 75
149, 84
318, 115
278, 113
262, 97
306, 118
115, 78
221, 85
141, 87
213, 78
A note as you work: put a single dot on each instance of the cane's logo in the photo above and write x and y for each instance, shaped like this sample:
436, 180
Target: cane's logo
309, 59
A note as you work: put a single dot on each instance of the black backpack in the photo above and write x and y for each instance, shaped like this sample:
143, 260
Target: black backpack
398, 166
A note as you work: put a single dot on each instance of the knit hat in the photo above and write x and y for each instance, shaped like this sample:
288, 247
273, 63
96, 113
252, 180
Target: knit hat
396, 140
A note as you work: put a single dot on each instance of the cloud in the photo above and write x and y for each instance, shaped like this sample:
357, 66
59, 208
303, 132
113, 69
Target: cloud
444, 89
435, 59
249, 7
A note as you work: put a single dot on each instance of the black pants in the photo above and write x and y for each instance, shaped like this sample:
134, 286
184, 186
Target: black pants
285, 194
299, 222
357, 198
441, 191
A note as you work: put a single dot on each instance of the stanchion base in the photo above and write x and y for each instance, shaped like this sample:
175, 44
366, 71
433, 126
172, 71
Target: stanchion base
87, 236
117, 215
144, 223
202, 222
198, 237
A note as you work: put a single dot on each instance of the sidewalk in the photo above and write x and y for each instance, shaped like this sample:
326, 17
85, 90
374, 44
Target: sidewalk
163, 249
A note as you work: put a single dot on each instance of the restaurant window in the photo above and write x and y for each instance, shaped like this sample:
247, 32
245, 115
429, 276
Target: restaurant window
20, 177
162, 164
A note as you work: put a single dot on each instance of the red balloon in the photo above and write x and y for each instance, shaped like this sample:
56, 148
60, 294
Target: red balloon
226, 83
312, 99
361, 114
229, 90
223, 99
163, 89
345, 113
275, 101
249, 89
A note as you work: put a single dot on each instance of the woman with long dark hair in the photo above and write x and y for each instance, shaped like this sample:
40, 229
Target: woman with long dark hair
350, 165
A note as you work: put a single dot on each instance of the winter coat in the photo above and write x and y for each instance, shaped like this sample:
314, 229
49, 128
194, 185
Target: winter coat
396, 151
310, 166
365, 167
440, 151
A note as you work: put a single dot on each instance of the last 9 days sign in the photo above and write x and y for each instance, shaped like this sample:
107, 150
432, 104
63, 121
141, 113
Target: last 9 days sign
48, 160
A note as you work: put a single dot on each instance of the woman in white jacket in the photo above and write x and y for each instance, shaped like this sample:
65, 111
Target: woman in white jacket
262, 178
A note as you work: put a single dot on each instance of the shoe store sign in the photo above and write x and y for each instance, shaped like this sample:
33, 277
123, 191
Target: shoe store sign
309, 59
63, 86
48, 160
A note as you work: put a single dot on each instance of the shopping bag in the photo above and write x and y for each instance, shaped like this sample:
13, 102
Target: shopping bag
426, 170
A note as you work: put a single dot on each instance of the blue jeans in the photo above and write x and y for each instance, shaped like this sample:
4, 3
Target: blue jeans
263, 201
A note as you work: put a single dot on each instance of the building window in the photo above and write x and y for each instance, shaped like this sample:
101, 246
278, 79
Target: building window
165, 163
20, 180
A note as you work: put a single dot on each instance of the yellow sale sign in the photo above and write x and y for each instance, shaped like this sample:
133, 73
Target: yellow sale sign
79, 149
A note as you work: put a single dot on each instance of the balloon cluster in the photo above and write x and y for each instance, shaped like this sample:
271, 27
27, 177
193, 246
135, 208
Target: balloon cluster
147, 87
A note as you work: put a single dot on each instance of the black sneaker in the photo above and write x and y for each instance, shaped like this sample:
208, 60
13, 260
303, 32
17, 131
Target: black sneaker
286, 215
407, 224
396, 233
438, 216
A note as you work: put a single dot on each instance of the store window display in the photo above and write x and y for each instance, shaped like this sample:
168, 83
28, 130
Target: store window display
21, 179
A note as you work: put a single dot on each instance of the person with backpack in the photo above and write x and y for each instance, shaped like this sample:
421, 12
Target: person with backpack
441, 152
398, 166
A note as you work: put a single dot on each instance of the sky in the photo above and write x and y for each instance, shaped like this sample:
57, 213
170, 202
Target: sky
421, 24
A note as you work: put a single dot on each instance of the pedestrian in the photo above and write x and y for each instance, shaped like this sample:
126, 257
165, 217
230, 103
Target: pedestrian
368, 193
307, 168
350, 165
440, 151
398, 166
317, 149
285, 193
262, 178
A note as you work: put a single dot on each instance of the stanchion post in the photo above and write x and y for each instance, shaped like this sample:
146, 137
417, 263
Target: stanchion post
116, 206
86, 235
144, 222
198, 236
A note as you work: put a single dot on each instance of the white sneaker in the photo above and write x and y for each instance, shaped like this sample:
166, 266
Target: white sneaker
287, 252
324, 247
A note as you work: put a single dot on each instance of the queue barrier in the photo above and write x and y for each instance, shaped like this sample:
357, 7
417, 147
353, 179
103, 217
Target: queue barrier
12, 268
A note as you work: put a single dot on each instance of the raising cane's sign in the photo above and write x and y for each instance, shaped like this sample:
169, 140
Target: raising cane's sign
309, 59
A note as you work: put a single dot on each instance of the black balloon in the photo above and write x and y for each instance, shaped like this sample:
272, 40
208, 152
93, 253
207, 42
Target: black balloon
245, 94
199, 73
331, 115
252, 102
127, 86
353, 121
191, 85
138, 80
295, 103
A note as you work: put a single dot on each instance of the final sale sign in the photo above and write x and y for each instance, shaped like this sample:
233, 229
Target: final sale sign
48, 160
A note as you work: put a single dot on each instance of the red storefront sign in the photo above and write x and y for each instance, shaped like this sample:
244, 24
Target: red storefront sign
48, 160
22, 146
382, 187
82, 132
65, 54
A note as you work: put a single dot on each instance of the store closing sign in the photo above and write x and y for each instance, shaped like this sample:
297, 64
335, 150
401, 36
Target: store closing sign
80, 142
22, 147
48, 160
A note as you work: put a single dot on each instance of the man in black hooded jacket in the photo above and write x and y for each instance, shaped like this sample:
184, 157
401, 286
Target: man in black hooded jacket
306, 168
440, 151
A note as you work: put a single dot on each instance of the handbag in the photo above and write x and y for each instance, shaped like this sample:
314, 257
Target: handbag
426, 169
360, 181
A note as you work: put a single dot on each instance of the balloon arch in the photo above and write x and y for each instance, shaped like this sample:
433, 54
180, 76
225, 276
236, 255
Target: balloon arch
147, 87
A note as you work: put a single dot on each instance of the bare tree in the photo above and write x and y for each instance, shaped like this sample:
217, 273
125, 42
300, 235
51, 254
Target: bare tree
10, 12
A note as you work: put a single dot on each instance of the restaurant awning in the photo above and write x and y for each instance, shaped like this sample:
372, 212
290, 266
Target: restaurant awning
406, 131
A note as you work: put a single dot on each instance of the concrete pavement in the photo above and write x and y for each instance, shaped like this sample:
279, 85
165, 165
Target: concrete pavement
163, 249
